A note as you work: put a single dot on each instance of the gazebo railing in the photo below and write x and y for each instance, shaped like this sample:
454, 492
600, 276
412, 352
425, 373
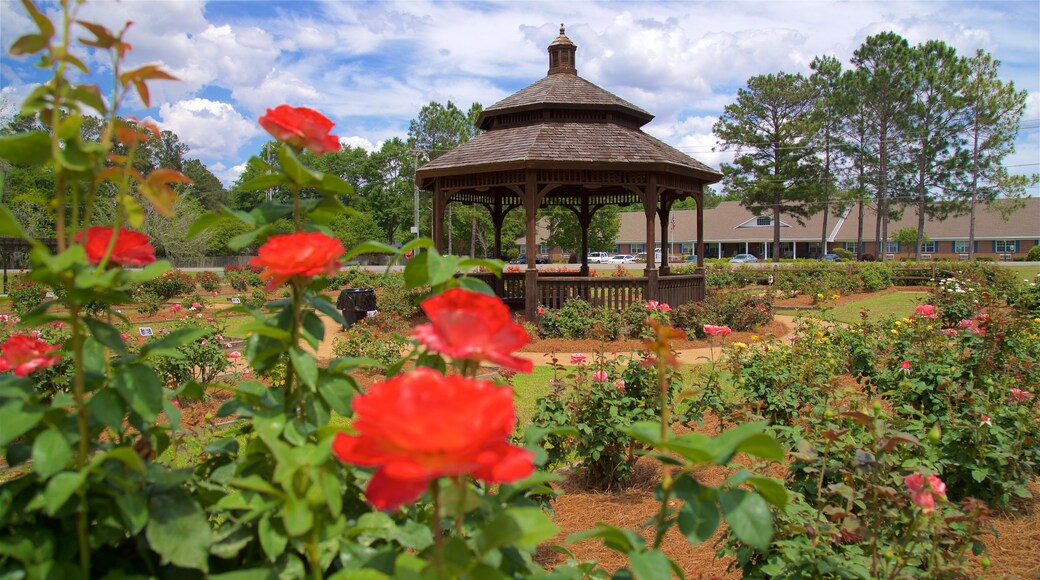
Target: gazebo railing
680, 289
555, 288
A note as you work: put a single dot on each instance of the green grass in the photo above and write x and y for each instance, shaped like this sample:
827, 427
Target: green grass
877, 307
1025, 272
528, 389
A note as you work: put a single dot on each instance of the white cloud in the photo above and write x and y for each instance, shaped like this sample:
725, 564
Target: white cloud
213, 130
356, 141
227, 175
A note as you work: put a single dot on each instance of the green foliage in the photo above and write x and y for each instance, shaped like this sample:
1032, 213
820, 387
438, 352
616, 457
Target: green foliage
371, 338
25, 294
170, 284
208, 281
738, 310
1034, 254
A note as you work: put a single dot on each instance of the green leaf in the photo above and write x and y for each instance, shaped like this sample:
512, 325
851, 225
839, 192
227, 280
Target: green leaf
272, 539
652, 565
107, 335
178, 530
338, 392
296, 171
16, 419
297, 517
439, 268
335, 185
26, 148
369, 247
313, 329
60, 488
248, 238
326, 307
748, 516
141, 388
475, 285
305, 367
762, 445
617, 539
51, 452
267, 181
109, 408
204, 222
699, 515
520, 527
771, 489
134, 507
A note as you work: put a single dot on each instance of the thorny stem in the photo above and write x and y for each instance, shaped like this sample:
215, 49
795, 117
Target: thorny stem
294, 399
666, 482
435, 529
83, 448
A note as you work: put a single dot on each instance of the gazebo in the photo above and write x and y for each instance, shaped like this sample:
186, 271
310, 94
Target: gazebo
566, 142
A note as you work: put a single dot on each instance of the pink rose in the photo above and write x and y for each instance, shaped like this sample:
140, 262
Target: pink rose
578, 358
1020, 396
926, 311
923, 492
234, 355
712, 330
652, 305
664, 308
600, 376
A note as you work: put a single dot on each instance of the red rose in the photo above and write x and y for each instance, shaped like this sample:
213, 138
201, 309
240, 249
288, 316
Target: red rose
422, 425
299, 254
131, 249
26, 354
474, 326
926, 311
301, 128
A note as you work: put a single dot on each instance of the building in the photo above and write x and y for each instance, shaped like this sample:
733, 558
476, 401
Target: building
731, 229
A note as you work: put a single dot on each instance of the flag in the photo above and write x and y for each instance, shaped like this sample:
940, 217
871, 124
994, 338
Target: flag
673, 223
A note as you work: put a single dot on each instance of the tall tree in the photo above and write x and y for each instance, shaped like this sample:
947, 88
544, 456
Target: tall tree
776, 169
931, 126
437, 130
204, 186
882, 84
994, 112
388, 193
828, 114
565, 231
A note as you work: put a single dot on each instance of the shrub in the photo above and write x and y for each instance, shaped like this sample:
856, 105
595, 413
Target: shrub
600, 411
202, 360
148, 302
365, 339
25, 295
570, 321
740, 311
1034, 254
236, 280
209, 281
257, 298
170, 284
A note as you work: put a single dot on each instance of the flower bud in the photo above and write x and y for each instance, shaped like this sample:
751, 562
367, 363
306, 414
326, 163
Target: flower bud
934, 434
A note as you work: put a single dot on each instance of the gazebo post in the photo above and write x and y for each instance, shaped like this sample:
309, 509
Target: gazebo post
700, 232
531, 275
650, 209
497, 217
438, 217
664, 213
585, 221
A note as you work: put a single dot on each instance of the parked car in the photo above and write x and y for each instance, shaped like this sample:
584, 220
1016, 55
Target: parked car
690, 259
598, 257
622, 259
743, 259
522, 259
831, 258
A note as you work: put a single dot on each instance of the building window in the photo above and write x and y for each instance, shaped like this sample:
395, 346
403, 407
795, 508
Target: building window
960, 247
1005, 246
764, 220
850, 247
637, 248
929, 247
543, 249
891, 247
617, 248
685, 249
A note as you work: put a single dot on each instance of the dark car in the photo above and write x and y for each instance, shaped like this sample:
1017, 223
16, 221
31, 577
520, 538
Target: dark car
522, 259
831, 258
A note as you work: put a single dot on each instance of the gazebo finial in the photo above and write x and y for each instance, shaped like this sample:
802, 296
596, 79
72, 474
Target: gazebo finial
561, 30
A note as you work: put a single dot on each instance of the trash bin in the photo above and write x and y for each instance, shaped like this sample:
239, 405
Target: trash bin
355, 304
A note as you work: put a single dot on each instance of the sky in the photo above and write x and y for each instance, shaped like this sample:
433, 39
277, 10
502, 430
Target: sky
370, 66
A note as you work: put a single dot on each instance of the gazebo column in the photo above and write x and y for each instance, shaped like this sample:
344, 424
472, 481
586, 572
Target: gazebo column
497, 218
650, 209
531, 275
585, 221
665, 213
700, 232
439, 203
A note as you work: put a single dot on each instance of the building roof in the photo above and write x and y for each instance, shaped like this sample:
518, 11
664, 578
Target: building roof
723, 224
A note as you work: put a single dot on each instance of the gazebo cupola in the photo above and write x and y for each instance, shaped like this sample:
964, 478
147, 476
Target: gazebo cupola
561, 55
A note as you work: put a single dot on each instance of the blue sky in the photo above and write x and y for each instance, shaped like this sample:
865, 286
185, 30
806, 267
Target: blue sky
370, 66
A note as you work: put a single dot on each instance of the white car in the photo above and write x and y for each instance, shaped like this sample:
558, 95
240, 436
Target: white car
622, 259
598, 257
743, 259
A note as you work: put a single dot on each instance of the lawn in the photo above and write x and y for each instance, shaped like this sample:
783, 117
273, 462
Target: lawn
878, 307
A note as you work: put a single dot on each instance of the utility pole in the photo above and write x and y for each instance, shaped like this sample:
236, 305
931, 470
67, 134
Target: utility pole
416, 152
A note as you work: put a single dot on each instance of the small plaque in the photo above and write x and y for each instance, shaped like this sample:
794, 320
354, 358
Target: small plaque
145, 330
770, 278
236, 300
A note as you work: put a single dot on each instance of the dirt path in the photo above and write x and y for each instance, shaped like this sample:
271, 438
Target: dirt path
782, 326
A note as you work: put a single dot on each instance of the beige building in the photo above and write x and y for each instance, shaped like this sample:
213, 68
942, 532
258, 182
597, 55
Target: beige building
731, 229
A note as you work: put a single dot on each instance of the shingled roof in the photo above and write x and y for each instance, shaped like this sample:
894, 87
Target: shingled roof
564, 121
